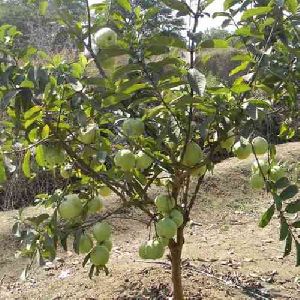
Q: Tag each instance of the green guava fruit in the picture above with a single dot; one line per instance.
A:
(166, 228)
(143, 251)
(242, 150)
(85, 243)
(108, 244)
(257, 181)
(177, 217)
(193, 154)
(125, 159)
(164, 203)
(99, 256)
(260, 145)
(133, 127)
(101, 231)
(143, 161)
(104, 191)
(87, 135)
(95, 205)
(152, 249)
(71, 207)
(156, 249)
(164, 241)
(105, 37)
(228, 143)
(264, 166)
(199, 171)
(277, 172)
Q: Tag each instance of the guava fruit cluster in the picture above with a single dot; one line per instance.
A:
(127, 160)
(166, 228)
(72, 206)
(243, 148)
(261, 168)
(99, 254)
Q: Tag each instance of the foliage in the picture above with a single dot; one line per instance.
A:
(63, 118)
(39, 28)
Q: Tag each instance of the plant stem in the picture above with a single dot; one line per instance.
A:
(176, 250)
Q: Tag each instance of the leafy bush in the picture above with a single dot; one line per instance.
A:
(152, 122)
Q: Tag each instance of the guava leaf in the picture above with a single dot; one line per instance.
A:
(2, 171)
(292, 5)
(289, 192)
(288, 245)
(293, 207)
(267, 216)
(26, 164)
(125, 4)
(43, 6)
(257, 11)
(297, 253)
(182, 7)
(284, 229)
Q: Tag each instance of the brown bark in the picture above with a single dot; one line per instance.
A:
(176, 250)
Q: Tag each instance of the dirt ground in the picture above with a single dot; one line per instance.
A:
(226, 254)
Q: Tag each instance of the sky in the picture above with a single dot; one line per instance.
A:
(205, 23)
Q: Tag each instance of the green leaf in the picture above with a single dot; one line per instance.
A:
(257, 11)
(86, 259)
(282, 183)
(45, 131)
(91, 272)
(288, 245)
(182, 7)
(267, 216)
(260, 103)
(32, 112)
(214, 43)
(39, 219)
(239, 68)
(125, 4)
(167, 40)
(26, 164)
(4, 102)
(229, 3)
(297, 253)
(284, 229)
(293, 207)
(43, 6)
(240, 88)
(292, 5)
(289, 192)
(249, 31)
(40, 156)
(2, 171)
(278, 202)
(197, 81)
(27, 84)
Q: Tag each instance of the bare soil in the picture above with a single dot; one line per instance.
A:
(226, 255)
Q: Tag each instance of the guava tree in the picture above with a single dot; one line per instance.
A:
(143, 122)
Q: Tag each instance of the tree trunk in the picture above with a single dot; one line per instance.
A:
(176, 250)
